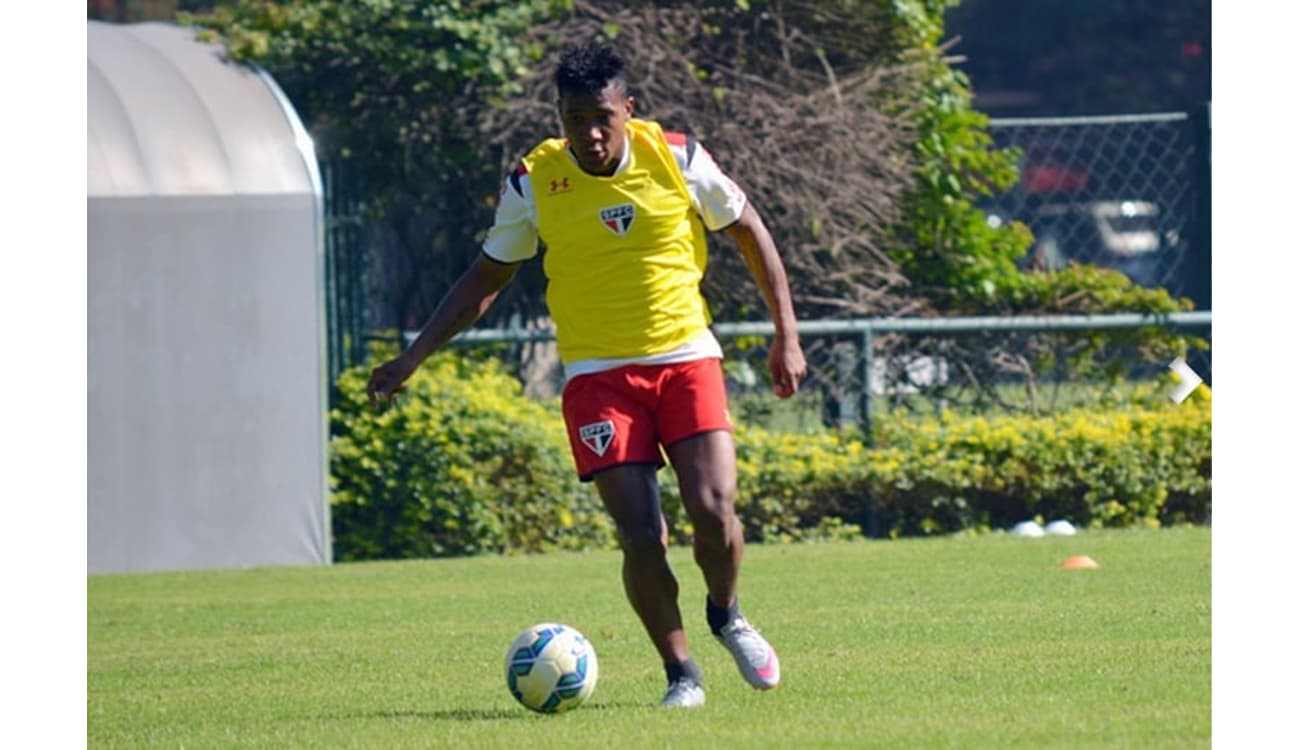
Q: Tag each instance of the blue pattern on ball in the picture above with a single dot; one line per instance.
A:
(522, 661)
(568, 686)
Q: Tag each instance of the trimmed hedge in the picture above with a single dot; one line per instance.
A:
(1144, 464)
(465, 464)
(462, 464)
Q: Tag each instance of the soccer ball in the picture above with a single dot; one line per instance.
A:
(551, 668)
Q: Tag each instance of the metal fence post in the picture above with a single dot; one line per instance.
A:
(864, 396)
(864, 414)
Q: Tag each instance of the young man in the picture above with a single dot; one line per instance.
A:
(623, 207)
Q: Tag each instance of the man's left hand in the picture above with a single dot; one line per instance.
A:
(786, 364)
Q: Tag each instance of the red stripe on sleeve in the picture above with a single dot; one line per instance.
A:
(675, 139)
(515, 177)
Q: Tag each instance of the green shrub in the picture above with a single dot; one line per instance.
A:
(462, 464)
(1147, 463)
(465, 464)
(785, 485)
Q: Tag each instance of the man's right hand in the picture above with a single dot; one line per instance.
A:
(387, 379)
(472, 293)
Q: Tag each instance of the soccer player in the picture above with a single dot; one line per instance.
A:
(623, 207)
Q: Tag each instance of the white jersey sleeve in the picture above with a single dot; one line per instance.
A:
(717, 198)
(513, 236)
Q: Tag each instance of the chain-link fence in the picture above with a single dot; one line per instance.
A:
(347, 269)
(1129, 192)
(861, 370)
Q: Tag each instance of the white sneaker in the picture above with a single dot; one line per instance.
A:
(753, 654)
(683, 694)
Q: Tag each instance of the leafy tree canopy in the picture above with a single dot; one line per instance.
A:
(385, 81)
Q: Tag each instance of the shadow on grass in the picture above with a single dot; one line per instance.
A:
(468, 714)
(449, 714)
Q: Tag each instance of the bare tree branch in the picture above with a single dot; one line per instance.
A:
(810, 142)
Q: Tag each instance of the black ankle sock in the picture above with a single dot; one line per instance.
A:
(719, 616)
(678, 670)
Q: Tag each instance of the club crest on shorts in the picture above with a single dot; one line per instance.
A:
(597, 436)
(618, 219)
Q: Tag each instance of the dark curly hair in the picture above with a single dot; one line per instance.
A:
(588, 69)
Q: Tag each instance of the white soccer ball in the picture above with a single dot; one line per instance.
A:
(551, 668)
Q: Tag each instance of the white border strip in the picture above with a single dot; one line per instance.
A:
(307, 148)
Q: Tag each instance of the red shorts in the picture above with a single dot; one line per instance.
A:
(623, 415)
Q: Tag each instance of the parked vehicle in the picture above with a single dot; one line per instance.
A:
(1121, 234)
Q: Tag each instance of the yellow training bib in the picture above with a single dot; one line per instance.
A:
(624, 254)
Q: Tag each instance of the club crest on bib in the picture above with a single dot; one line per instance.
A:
(597, 436)
(618, 219)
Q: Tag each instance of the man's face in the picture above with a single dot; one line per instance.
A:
(596, 127)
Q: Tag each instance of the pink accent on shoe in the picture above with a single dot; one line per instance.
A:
(750, 649)
(768, 669)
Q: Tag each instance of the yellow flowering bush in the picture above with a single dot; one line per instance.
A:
(465, 464)
(461, 464)
(1146, 463)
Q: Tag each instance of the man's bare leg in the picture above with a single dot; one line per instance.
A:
(706, 472)
(631, 495)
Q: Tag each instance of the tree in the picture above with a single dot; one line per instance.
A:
(391, 90)
(849, 126)
(131, 11)
(797, 118)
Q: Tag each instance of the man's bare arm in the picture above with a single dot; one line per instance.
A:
(466, 301)
(785, 360)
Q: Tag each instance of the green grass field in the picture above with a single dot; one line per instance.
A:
(969, 642)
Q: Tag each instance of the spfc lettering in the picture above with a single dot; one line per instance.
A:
(597, 436)
(618, 219)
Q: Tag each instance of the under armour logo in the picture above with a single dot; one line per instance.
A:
(597, 436)
(560, 186)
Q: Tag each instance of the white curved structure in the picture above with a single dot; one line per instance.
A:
(206, 404)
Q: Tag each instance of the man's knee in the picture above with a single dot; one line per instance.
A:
(715, 510)
(642, 542)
